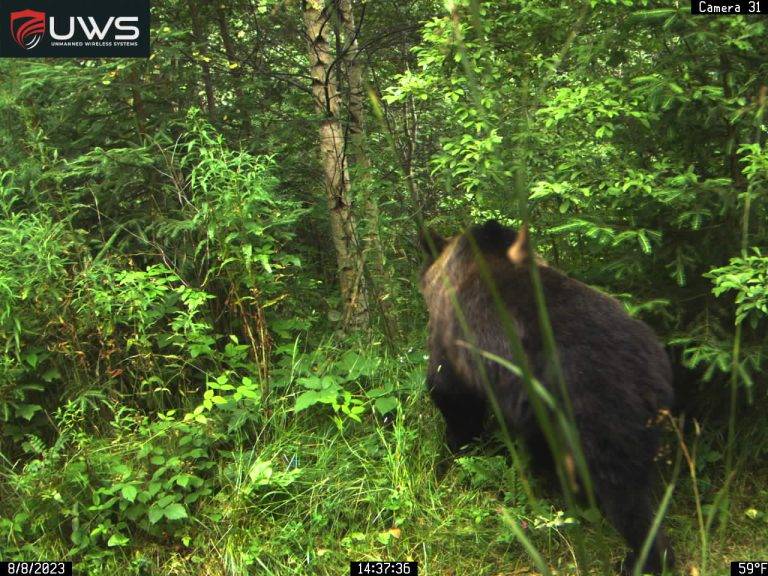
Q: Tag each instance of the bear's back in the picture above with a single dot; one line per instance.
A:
(602, 350)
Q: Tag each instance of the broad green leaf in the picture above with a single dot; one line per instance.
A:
(118, 540)
(175, 511)
(154, 514)
(386, 404)
(27, 411)
(129, 492)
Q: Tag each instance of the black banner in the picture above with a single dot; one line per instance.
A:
(749, 568)
(729, 7)
(75, 28)
(35, 568)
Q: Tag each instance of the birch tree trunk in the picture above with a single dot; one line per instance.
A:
(333, 157)
(372, 247)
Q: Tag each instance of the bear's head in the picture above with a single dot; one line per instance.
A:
(456, 257)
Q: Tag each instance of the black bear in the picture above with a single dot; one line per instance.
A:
(617, 375)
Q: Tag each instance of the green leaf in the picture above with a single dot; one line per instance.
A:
(129, 492)
(27, 411)
(386, 404)
(118, 540)
(175, 512)
(166, 500)
(645, 244)
(51, 374)
(305, 400)
(155, 513)
(312, 397)
(32, 359)
(377, 392)
(261, 472)
(248, 393)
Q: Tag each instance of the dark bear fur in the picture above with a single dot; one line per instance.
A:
(617, 374)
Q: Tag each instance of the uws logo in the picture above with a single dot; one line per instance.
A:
(28, 28)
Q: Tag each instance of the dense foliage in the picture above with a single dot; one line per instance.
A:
(180, 390)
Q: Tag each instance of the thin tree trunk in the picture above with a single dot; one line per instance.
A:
(333, 158)
(200, 42)
(138, 106)
(405, 139)
(372, 246)
(411, 129)
(234, 66)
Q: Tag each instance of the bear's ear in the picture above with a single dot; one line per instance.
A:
(520, 251)
(431, 243)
